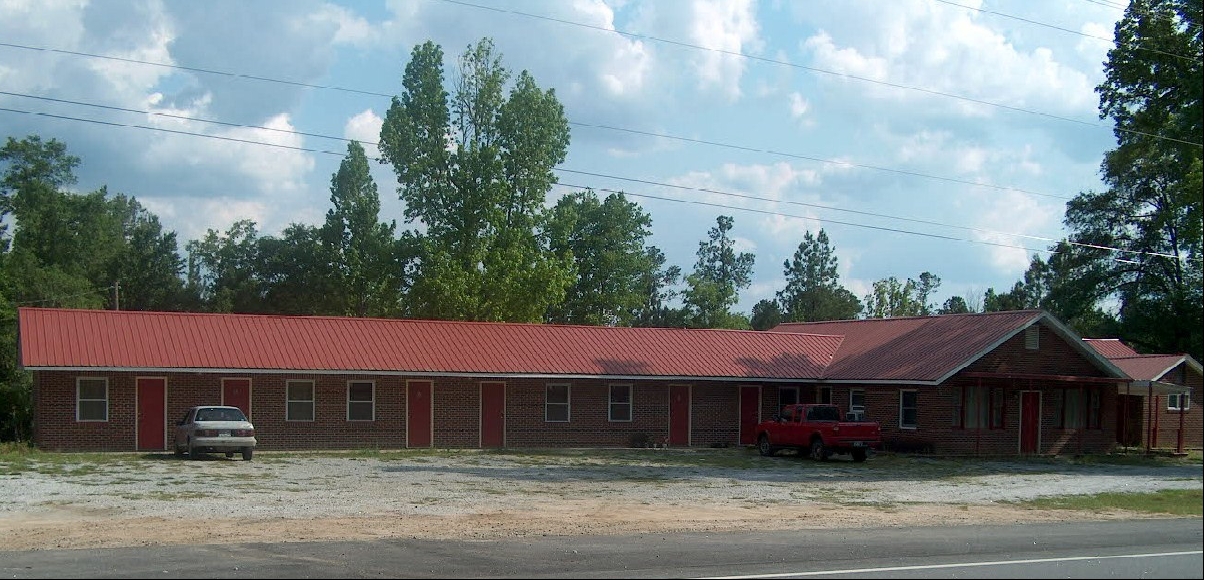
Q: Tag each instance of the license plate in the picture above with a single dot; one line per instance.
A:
(860, 443)
(223, 434)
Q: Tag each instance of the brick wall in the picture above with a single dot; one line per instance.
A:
(456, 419)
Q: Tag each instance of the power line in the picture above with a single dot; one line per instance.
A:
(817, 70)
(822, 160)
(194, 69)
(1063, 29)
(579, 124)
(343, 154)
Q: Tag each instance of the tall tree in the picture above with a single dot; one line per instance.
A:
(358, 249)
(658, 288)
(890, 297)
(473, 168)
(766, 315)
(713, 287)
(226, 271)
(1152, 208)
(813, 292)
(613, 266)
(954, 305)
(35, 173)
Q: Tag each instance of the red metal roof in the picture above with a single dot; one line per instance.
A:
(1111, 347)
(922, 348)
(63, 338)
(1148, 367)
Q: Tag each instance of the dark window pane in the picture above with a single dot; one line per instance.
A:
(361, 392)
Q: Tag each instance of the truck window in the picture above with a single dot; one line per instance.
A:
(785, 415)
(822, 413)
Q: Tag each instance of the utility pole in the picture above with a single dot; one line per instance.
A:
(116, 294)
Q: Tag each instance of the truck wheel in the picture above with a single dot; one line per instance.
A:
(859, 455)
(819, 452)
(763, 446)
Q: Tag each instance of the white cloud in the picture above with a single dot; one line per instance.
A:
(365, 127)
(799, 105)
(950, 50)
(1014, 212)
(723, 25)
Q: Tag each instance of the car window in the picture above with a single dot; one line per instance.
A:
(822, 414)
(231, 415)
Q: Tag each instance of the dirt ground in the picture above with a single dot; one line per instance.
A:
(65, 530)
(576, 503)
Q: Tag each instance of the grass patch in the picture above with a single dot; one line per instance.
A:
(1176, 502)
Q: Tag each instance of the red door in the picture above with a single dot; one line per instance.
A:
(493, 401)
(678, 415)
(236, 393)
(750, 414)
(418, 430)
(1029, 422)
(150, 406)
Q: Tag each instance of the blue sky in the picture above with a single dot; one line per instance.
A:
(961, 113)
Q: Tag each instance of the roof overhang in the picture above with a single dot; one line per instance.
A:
(1153, 388)
(1046, 377)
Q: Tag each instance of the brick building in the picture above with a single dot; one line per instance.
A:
(975, 384)
(1163, 406)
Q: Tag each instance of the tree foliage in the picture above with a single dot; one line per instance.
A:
(813, 292)
(360, 267)
(890, 297)
(473, 168)
(713, 287)
(1152, 208)
(615, 271)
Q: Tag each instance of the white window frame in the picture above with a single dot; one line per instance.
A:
(1173, 401)
(105, 383)
(312, 400)
(566, 405)
(629, 404)
(371, 402)
(858, 408)
(901, 409)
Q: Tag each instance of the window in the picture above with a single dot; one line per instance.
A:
(621, 398)
(1031, 338)
(558, 403)
(787, 396)
(300, 401)
(92, 399)
(982, 408)
(1081, 408)
(786, 415)
(825, 396)
(909, 409)
(1183, 400)
(361, 401)
(856, 401)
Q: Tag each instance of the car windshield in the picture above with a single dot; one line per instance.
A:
(219, 415)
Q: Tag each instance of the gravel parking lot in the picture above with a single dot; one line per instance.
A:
(133, 500)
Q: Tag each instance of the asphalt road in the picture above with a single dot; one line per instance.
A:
(1167, 548)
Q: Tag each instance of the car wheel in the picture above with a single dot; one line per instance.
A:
(194, 453)
(818, 450)
(247, 453)
(177, 450)
(859, 455)
(228, 454)
(763, 446)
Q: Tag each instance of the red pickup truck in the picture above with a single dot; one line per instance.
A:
(817, 430)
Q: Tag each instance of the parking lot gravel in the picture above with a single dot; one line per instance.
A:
(135, 500)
